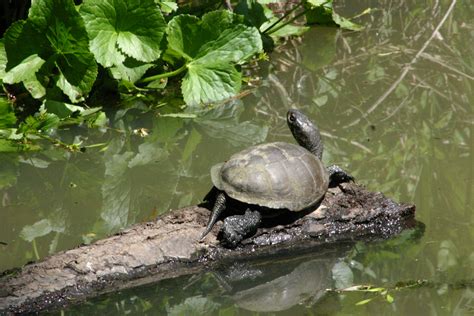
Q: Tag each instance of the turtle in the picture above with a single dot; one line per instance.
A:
(272, 178)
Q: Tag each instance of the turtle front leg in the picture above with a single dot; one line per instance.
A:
(237, 227)
(337, 176)
(219, 207)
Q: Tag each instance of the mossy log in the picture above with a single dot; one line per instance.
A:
(169, 247)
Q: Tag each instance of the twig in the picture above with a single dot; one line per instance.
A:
(406, 68)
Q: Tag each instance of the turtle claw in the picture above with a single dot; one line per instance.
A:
(337, 175)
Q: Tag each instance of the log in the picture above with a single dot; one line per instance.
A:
(169, 247)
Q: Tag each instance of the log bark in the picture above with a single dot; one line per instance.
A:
(169, 247)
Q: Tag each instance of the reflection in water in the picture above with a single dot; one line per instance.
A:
(271, 284)
(307, 282)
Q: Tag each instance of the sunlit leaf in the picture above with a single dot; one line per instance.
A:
(41, 122)
(130, 71)
(55, 33)
(167, 6)
(233, 46)
(121, 28)
(25, 70)
(211, 46)
(206, 83)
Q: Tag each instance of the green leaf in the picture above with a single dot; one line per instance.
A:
(61, 109)
(234, 45)
(206, 83)
(211, 47)
(26, 72)
(55, 33)
(167, 6)
(322, 12)
(186, 34)
(389, 298)
(284, 31)
(131, 70)
(3, 59)
(7, 116)
(121, 28)
(363, 302)
(30, 82)
(253, 12)
(42, 228)
(99, 121)
(345, 23)
(8, 146)
(42, 122)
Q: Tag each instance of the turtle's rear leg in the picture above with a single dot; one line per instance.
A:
(219, 207)
(237, 227)
(337, 176)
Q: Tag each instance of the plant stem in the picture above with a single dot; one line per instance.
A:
(35, 249)
(282, 18)
(290, 21)
(164, 75)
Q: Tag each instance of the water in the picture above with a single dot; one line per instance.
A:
(404, 131)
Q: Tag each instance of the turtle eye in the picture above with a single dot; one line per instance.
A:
(292, 117)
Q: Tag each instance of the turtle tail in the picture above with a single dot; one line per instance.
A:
(219, 207)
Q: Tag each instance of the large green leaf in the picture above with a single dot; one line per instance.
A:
(55, 33)
(212, 46)
(233, 45)
(207, 82)
(121, 28)
(187, 33)
(185, 36)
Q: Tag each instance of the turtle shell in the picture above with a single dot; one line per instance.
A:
(274, 175)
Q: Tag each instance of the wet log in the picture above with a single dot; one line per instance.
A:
(169, 247)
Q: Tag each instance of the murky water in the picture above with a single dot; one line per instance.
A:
(394, 102)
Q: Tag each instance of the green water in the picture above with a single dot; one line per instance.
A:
(394, 103)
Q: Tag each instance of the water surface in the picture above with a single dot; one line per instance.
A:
(394, 103)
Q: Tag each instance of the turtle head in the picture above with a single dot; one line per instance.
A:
(305, 132)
